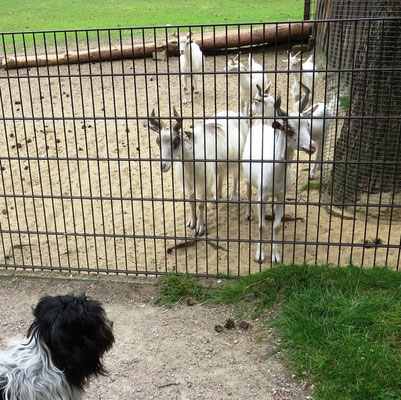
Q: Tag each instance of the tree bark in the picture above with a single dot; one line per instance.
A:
(368, 149)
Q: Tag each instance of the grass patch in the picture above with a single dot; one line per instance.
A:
(175, 288)
(310, 186)
(26, 15)
(340, 326)
(345, 103)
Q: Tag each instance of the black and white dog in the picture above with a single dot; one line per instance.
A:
(62, 350)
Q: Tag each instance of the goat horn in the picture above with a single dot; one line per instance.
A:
(267, 90)
(175, 112)
(304, 101)
(277, 106)
(155, 122)
(178, 124)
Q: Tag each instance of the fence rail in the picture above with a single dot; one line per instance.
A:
(86, 183)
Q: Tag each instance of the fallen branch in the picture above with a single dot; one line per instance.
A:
(209, 41)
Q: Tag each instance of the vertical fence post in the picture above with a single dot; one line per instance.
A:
(307, 10)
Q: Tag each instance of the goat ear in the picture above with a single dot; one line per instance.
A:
(267, 90)
(259, 89)
(188, 35)
(178, 125)
(174, 34)
(277, 125)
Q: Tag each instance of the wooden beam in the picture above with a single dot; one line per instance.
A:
(210, 41)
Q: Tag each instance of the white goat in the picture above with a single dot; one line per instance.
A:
(248, 81)
(265, 145)
(318, 127)
(221, 138)
(263, 105)
(308, 78)
(192, 60)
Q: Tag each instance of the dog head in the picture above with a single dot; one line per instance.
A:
(77, 332)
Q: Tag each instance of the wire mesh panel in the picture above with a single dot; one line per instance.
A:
(107, 153)
(365, 38)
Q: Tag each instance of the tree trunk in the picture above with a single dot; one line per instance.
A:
(368, 149)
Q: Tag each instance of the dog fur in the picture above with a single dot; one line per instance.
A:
(62, 350)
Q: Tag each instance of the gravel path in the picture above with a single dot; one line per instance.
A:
(163, 353)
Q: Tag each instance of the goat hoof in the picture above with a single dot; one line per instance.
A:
(276, 258)
(199, 232)
(191, 224)
(259, 258)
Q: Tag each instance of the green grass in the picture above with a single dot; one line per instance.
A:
(339, 326)
(175, 288)
(345, 103)
(25, 15)
(310, 186)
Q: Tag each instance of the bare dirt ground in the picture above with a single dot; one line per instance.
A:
(163, 353)
(92, 190)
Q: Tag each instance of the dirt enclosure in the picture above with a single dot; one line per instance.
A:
(163, 353)
(92, 192)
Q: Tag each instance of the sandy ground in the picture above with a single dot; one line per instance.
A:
(163, 353)
(93, 193)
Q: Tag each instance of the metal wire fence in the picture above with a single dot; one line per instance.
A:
(88, 186)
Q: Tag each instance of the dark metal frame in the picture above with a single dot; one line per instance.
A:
(21, 234)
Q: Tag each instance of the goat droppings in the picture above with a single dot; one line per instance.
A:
(218, 328)
(230, 324)
(244, 325)
(190, 301)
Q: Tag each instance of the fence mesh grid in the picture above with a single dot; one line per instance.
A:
(82, 188)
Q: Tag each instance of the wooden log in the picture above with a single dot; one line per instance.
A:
(210, 41)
